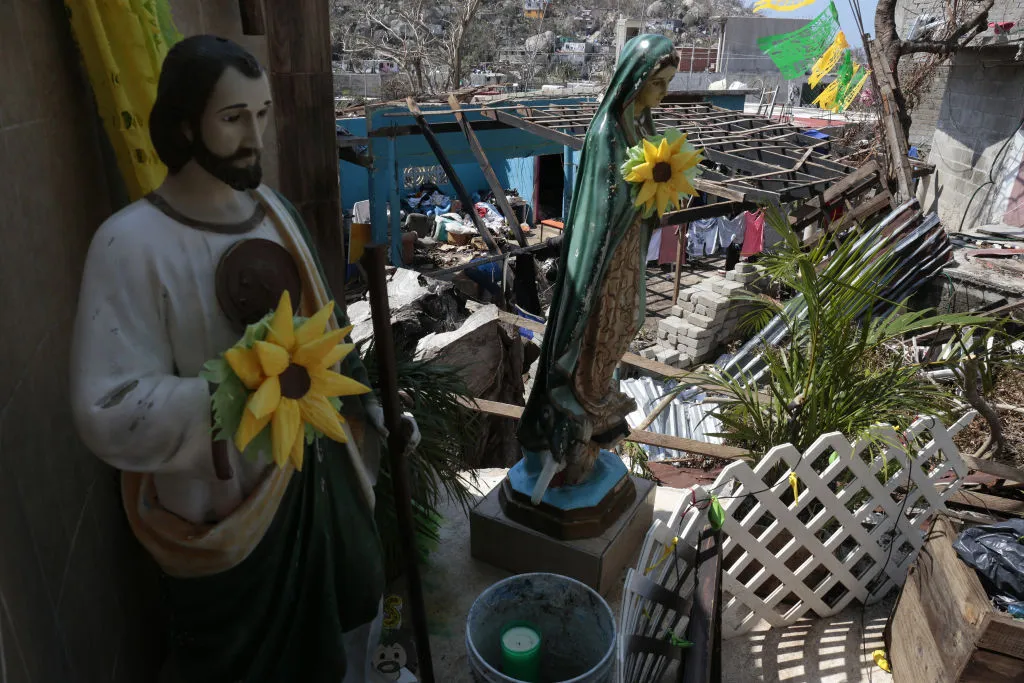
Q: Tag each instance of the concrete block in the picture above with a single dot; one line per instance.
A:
(701, 309)
(667, 356)
(729, 288)
(701, 321)
(711, 299)
(718, 313)
(696, 346)
(672, 340)
(683, 362)
(678, 311)
(694, 332)
(742, 268)
(662, 332)
(648, 353)
(671, 325)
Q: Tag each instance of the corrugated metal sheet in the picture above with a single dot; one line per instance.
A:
(687, 416)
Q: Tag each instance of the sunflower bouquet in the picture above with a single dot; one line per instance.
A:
(661, 170)
(276, 390)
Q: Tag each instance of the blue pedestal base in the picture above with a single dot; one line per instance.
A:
(608, 471)
(584, 510)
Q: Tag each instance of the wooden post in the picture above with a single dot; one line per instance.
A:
(380, 312)
(253, 23)
(703, 663)
(895, 139)
(680, 250)
(485, 166)
(299, 43)
(453, 178)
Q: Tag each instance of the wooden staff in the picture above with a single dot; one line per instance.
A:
(373, 261)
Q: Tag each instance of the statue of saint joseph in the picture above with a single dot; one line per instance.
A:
(270, 574)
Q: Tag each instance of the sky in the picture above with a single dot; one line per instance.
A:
(846, 21)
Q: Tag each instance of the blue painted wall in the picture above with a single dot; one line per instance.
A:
(509, 151)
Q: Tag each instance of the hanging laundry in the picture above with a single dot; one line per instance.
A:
(730, 230)
(753, 233)
(670, 244)
(654, 248)
(702, 237)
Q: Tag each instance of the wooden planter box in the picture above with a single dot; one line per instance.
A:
(944, 629)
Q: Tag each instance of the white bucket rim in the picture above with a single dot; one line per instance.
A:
(578, 679)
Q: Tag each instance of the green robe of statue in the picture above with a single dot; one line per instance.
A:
(598, 305)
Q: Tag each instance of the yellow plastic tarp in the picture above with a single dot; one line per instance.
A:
(123, 44)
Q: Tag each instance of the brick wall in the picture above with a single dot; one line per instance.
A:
(982, 104)
(927, 112)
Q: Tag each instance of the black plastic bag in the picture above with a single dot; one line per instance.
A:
(996, 551)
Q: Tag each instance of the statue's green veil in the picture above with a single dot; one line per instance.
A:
(600, 214)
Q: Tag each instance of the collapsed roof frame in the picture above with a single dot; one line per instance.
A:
(753, 160)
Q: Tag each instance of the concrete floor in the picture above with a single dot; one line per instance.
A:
(834, 650)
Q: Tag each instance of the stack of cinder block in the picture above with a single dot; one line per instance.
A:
(705, 316)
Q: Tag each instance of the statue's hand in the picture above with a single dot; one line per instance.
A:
(375, 415)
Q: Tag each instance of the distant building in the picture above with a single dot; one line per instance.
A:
(970, 121)
(625, 30)
(738, 52)
(536, 9)
(575, 53)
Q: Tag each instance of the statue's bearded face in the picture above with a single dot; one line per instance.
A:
(230, 141)
(655, 88)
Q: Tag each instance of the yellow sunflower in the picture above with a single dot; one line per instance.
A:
(291, 381)
(665, 174)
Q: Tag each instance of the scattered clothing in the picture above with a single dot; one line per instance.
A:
(753, 233)
(654, 246)
(708, 236)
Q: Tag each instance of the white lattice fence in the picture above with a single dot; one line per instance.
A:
(849, 535)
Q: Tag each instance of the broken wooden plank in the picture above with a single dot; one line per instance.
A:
(537, 129)
(995, 469)
(453, 178)
(676, 443)
(706, 211)
(897, 141)
(485, 167)
(876, 204)
(988, 503)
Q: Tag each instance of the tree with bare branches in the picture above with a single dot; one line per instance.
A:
(964, 20)
(425, 38)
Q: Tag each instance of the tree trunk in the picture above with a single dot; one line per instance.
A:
(889, 46)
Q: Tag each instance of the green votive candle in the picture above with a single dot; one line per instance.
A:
(520, 651)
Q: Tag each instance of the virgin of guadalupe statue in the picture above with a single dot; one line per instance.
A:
(575, 408)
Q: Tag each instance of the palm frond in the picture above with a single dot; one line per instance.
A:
(448, 430)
